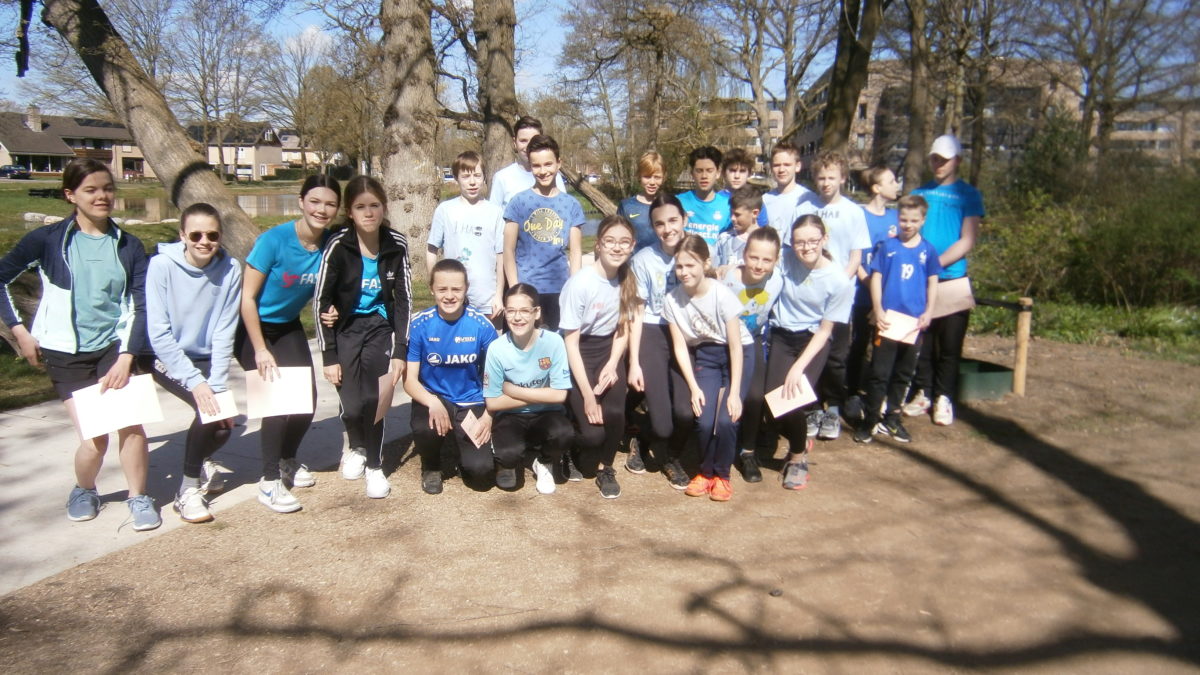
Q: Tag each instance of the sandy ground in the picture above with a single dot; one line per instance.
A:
(1054, 533)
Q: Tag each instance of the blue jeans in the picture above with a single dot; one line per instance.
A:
(716, 433)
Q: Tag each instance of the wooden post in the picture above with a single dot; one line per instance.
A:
(1024, 322)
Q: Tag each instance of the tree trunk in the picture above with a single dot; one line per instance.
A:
(142, 108)
(409, 121)
(597, 198)
(918, 102)
(858, 23)
(979, 93)
(495, 29)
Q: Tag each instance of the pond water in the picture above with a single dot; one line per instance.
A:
(153, 209)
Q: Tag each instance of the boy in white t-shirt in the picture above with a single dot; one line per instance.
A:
(780, 202)
(518, 177)
(470, 229)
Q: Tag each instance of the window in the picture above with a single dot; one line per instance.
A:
(862, 111)
(1166, 145)
(861, 141)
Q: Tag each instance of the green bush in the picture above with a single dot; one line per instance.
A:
(287, 174)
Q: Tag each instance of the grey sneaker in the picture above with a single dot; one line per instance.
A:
(831, 425)
(212, 479)
(83, 504)
(606, 480)
(676, 476)
(795, 474)
(431, 482)
(814, 420)
(191, 507)
(570, 472)
(295, 474)
(143, 513)
(633, 461)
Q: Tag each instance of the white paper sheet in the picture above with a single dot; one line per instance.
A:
(228, 408)
(901, 327)
(469, 424)
(781, 406)
(288, 394)
(953, 296)
(101, 414)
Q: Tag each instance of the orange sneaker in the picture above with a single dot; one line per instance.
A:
(699, 486)
(721, 490)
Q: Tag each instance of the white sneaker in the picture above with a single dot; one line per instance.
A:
(545, 478)
(275, 496)
(354, 463)
(943, 411)
(296, 474)
(377, 484)
(918, 406)
(191, 507)
(212, 479)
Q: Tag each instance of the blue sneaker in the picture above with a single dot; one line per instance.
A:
(143, 513)
(795, 474)
(83, 504)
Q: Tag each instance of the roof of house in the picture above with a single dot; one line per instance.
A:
(18, 138)
(238, 133)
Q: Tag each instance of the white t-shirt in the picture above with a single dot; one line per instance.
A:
(846, 225)
(757, 299)
(513, 179)
(590, 303)
(781, 209)
(702, 318)
(472, 234)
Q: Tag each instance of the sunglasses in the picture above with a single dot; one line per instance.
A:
(195, 237)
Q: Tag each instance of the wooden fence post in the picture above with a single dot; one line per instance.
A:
(1024, 322)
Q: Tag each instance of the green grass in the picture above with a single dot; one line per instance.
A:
(23, 384)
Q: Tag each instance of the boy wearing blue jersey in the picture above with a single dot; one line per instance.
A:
(707, 212)
(446, 348)
(904, 278)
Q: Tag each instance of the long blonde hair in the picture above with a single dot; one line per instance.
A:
(630, 301)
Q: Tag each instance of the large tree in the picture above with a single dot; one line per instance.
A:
(858, 23)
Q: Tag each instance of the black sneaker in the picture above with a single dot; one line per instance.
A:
(864, 431)
(675, 474)
(891, 424)
(750, 471)
(569, 470)
(506, 479)
(606, 480)
(855, 408)
(431, 482)
(633, 461)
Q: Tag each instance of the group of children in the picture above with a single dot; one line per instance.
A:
(694, 307)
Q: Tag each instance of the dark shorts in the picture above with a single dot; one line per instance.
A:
(71, 372)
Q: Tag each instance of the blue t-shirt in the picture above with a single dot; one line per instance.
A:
(543, 365)
(905, 273)
(291, 272)
(451, 354)
(879, 228)
(543, 237)
(654, 271)
(707, 219)
(98, 281)
(368, 298)
(638, 213)
(949, 205)
(811, 296)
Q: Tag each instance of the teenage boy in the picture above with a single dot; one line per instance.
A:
(904, 279)
(955, 213)
(470, 229)
(736, 168)
(543, 244)
(846, 227)
(517, 176)
(707, 211)
(745, 205)
(781, 202)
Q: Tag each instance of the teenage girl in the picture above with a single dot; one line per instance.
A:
(90, 323)
(815, 296)
(636, 209)
(668, 399)
(446, 349)
(597, 306)
(525, 382)
(711, 347)
(881, 224)
(193, 295)
(365, 283)
(278, 282)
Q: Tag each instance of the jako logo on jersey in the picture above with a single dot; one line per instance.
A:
(544, 363)
(464, 338)
(434, 339)
(434, 359)
(459, 359)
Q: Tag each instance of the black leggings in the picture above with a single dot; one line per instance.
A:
(752, 405)
(862, 332)
(786, 347)
(668, 398)
(281, 435)
(832, 389)
(937, 368)
(477, 463)
(547, 433)
(363, 343)
(892, 366)
(598, 443)
(202, 439)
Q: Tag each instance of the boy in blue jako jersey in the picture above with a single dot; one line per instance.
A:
(745, 205)
(470, 229)
(707, 212)
(904, 278)
(543, 242)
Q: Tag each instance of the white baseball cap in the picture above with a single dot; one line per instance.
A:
(946, 146)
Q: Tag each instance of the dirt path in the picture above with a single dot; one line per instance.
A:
(1053, 533)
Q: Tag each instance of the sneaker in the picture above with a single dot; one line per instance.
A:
(143, 513)
(83, 504)
(354, 463)
(191, 507)
(814, 420)
(699, 486)
(795, 474)
(431, 482)
(675, 474)
(750, 471)
(892, 427)
(606, 480)
(919, 405)
(831, 425)
(943, 411)
(721, 490)
(855, 410)
(275, 496)
(545, 478)
(296, 474)
(633, 461)
(377, 484)
(570, 471)
(212, 479)
(506, 479)
(865, 432)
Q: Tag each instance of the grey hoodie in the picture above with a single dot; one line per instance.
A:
(192, 313)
